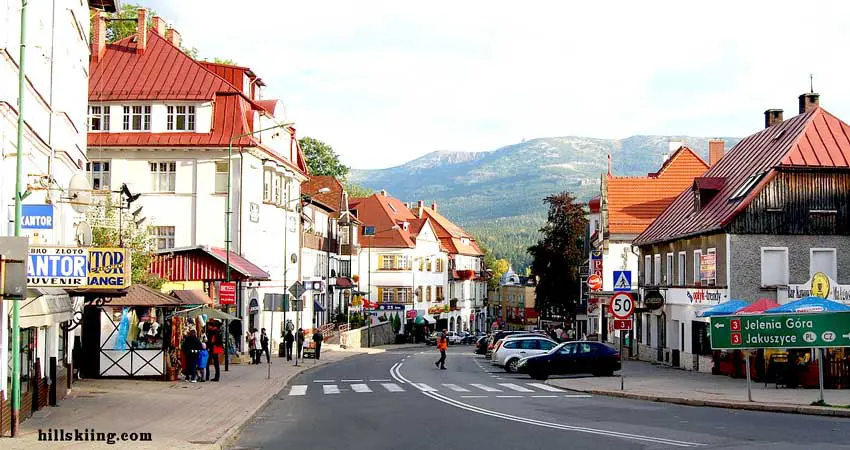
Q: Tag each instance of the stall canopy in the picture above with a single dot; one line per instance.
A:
(758, 307)
(424, 319)
(141, 295)
(45, 307)
(810, 304)
(211, 313)
(725, 308)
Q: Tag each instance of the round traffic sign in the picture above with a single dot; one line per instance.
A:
(622, 305)
(594, 282)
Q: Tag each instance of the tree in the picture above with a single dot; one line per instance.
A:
(557, 257)
(322, 159)
(226, 61)
(357, 191)
(108, 231)
(496, 266)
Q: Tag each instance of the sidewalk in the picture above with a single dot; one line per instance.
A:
(179, 415)
(645, 381)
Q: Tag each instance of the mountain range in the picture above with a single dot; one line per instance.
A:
(498, 195)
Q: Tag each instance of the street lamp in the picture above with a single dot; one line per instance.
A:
(371, 235)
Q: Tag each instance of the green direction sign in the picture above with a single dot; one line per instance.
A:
(808, 330)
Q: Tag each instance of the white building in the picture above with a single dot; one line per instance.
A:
(167, 137)
(401, 260)
(54, 150)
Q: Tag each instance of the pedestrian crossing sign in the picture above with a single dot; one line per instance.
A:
(622, 280)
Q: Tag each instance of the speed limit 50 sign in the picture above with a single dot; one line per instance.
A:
(622, 305)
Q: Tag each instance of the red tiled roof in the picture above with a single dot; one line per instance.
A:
(815, 139)
(710, 183)
(451, 236)
(233, 74)
(332, 199)
(383, 212)
(634, 202)
(593, 205)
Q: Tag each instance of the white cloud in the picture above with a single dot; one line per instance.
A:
(386, 81)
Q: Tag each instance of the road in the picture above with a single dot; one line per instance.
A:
(399, 400)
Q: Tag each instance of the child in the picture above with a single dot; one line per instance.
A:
(203, 359)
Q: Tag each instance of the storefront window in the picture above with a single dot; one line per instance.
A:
(27, 351)
(134, 327)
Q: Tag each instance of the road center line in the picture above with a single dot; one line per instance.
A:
(544, 396)
(323, 381)
(379, 380)
(508, 396)
(351, 381)
(473, 396)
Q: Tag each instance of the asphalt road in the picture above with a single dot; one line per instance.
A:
(399, 400)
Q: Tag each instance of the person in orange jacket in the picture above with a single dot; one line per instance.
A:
(442, 345)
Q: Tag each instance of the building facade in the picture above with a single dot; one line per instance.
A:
(53, 152)
(763, 223)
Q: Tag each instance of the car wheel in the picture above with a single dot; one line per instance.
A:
(511, 366)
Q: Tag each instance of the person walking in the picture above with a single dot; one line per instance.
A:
(318, 338)
(442, 345)
(191, 348)
(255, 341)
(264, 346)
(299, 343)
(214, 339)
(251, 347)
(203, 363)
(288, 339)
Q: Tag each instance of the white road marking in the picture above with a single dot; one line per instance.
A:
(323, 381)
(298, 389)
(515, 387)
(330, 389)
(423, 387)
(544, 396)
(360, 388)
(473, 396)
(392, 387)
(545, 387)
(351, 381)
(486, 388)
(508, 396)
(578, 396)
(378, 380)
(456, 388)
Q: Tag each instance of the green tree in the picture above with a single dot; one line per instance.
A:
(108, 231)
(322, 159)
(357, 191)
(496, 266)
(557, 257)
(227, 61)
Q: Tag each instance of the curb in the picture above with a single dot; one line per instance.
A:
(747, 406)
(229, 436)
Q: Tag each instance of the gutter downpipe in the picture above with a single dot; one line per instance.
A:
(19, 169)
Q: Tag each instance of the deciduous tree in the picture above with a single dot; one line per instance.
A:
(322, 159)
(557, 257)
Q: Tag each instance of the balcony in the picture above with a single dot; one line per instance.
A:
(316, 242)
(349, 250)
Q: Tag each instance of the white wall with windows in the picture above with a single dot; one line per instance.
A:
(120, 117)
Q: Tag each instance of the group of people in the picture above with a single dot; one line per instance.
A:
(197, 357)
(258, 344)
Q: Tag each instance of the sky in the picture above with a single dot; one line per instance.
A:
(385, 82)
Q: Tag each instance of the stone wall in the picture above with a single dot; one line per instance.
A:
(382, 334)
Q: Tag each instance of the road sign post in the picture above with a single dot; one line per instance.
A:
(622, 306)
(804, 330)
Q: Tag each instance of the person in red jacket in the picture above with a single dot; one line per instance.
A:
(442, 345)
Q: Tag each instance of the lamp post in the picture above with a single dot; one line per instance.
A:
(227, 213)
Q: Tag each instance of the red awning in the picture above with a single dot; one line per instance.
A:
(204, 264)
(343, 282)
(758, 307)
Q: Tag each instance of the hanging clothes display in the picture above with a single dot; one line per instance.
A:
(123, 330)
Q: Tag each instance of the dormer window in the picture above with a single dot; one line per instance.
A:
(464, 241)
(705, 189)
(181, 118)
(137, 118)
(99, 118)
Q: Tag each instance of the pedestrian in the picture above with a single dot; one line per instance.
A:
(203, 363)
(299, 344)
(191, 348)
(251, 348)
(217, 347)
(318, 338)
(255, 337)
(264, 346)
(442, 345)
(288, 339)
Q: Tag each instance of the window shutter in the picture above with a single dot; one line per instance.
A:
(421, 265)
(380, 295)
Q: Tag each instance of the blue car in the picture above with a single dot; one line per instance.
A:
(574, 357)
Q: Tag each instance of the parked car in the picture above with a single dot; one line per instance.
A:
(595, 358)
(499, 335)
(510, 350)
(481, 345)
(454, 337)
(431, 339)
(469, 339)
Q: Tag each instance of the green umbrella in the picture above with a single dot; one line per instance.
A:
(211, 313)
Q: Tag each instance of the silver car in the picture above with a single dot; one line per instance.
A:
(510, 350)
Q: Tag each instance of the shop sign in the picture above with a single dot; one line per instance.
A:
(703, 296)
(653, 300)
(807, 330)
(37, 217)
(254, 306)
(79, 268)
(820, 285)
(708, 268)
(227, 293)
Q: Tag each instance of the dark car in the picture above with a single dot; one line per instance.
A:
(595, 358)
(481, 345)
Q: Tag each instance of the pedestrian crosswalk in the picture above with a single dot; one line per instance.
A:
(331, 387)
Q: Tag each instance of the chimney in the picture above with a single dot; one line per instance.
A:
(173, 36)
(716, 148)
(142, 31)
(808, 102)
(159, 25)
(98, 39)
(772, 117)
(434, 206)
(420, 205)
(383, 193)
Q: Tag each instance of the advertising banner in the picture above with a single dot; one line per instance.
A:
(78, 268)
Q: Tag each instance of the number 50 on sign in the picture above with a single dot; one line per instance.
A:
(622, 305)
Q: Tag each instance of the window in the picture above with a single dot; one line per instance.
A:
(387, 262)
(697, 255)
(823, 260)
(647, 270)
(99, 118)
(163, 237)
(221, 177)
(668, 272)
(428, 293)
(439, 295)
(403, 262)
(387, 295)
(181, 118)
(530, 344)
(267, 184)
(163, 176)
(440, 265)
(344, 235)
(547, 345)
(656, 270)
(276, 188)
(683, 257)
(774, 266)
(711, 272)
(137, 118)
(512, 344)
(747, 186)
(98, 172)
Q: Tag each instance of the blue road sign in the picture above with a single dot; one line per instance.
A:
(622, 280)
(390, 307)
